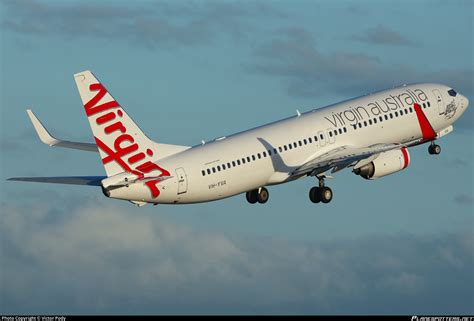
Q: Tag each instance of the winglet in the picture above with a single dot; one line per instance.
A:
(49, 140)
(42, 132)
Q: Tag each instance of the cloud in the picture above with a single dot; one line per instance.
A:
(381, 35)
(463, 199)
(160, 24)
(293, 56)
(104, 259)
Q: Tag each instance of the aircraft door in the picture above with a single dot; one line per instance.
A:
(182, 180)
(330, 136)
(439, 99)
(322, 138)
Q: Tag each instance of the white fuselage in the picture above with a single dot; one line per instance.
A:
(216, 169)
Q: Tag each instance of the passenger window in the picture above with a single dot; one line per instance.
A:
(310, 140)
(305, 141)
(365, 123)
(203, 173)
(299, 143)
(243, 160)
(208, 171)
(429, 105)
(411, 110)
(391, 116)
(233, 163)
(330, 134)
(248, 159)
(284, 147)
(213, 169)
(219, 168)
(345, 130)
(375, 120)
(253, 157)
(321, 136)
(238, 162)
(340, 131)
(289, 145)
(315, 138)
(360, 125)
(280, 149)
(275, 151)
(259, 156)
(223, 167)
(264, 154)
(396, 114)
(380, 119)
(370, 121)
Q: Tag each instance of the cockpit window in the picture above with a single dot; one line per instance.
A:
(452, 92)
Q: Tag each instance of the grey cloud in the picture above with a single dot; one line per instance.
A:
(310, 73)
(463, 199)
(100, 259)
(381, 35)
(151, 24)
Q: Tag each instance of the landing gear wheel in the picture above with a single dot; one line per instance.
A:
(314, 195)
(263, 195)
(252, 196)
(434, 149)
(325, 194)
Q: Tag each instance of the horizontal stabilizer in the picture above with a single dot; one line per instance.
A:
(48, 139)
(72, 180)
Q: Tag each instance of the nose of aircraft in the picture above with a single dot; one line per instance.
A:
(464, 101)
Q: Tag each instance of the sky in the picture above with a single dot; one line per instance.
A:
(188, 71)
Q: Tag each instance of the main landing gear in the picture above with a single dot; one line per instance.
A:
(320, 193)
(257, 195)
(434, 149)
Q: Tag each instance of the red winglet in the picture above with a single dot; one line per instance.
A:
(426, 130)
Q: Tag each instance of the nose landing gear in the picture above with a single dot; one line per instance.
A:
(434, 149)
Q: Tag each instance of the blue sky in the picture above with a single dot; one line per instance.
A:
(187, 71)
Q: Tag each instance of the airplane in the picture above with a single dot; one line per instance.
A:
(370, 134)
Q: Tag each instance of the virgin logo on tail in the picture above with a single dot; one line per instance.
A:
(125, 152)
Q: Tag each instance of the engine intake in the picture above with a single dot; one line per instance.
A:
(385, 164)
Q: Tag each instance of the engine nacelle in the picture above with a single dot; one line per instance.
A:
(385, 164)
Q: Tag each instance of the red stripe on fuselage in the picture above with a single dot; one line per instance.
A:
(426, 130)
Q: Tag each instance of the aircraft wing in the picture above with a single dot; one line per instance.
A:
(48, 139)
(72, 180)
(342, 157)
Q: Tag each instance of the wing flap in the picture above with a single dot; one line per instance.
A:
(72, 180)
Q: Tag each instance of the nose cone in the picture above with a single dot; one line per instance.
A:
(464, 101)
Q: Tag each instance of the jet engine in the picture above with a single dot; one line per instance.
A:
(385, 164)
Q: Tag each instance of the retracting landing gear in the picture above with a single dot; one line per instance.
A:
(320, 193)
(257, 195)
(434, 149)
